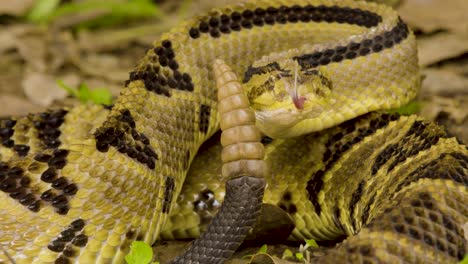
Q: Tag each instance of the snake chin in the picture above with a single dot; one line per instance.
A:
(287, 122)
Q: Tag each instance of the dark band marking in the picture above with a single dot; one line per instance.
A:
(6, 132)
(366, 211)
(14, 182)
(355, 198)
(204, 124)
(126, 139)
(68, 240)
(169, 186)
(154, 78)
(418, 138)
(215, 26)
(48, 127)
(260, 70)
(385, 40)
(63, 188)
(450, 166)
(348, 134)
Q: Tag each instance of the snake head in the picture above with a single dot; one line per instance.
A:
(282, 95)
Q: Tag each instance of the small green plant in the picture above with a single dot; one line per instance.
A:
(408, 109)
(303, 254)
(84, 94)
(287, 254)
(140, 253)
(262, 250)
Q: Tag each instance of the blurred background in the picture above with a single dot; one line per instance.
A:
(52, 49)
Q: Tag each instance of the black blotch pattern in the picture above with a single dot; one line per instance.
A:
(205, 206)
(418, 138)
(14, 182)
(205, 111)
(67, 239)
(336, 146)
(251, 71)
(154, 78)
(352, 50)
(217, 25)
(168, 194)
(48, 127)
(6, 132)
(286, 204)
(64, 187)
(137, 148)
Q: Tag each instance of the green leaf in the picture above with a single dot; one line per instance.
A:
(299, 256)
(263, 249)
(408, 109)
(112, 11)
(465, 260)
(311, 243)
(85, 94)
(140, 253)
(287, 253)
(101, 96)
(71, 91)
(42, 10)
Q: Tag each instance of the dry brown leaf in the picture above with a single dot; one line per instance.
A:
(33, 50)
(43, 89)
(433, 15)
(16, 106)
(15, 7)
(438, 47)
(444, 82)
(454, 107)
(11, 35)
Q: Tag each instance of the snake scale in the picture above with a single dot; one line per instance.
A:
(78, 185)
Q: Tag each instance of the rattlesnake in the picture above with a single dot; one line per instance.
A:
(80, 184)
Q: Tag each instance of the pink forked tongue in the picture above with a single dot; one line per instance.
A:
(298, 102)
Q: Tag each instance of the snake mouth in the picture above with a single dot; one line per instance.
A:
(279, 123)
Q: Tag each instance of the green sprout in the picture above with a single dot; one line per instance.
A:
(408, 109)
(84, 94)
(140, 253)
(112, 11)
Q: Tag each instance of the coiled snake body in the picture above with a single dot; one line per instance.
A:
(80, 184)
